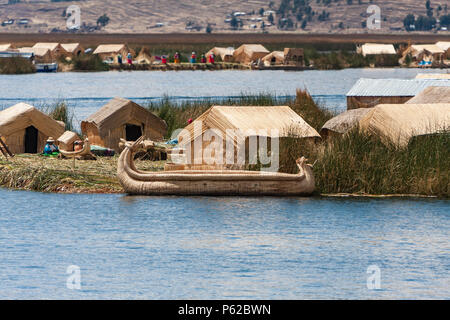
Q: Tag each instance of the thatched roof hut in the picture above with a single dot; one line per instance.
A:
(25, 129)
(294, 56)
(343, 122)
(66, 140)
(444, 45)
(397, 123)
(428, 52)
(274, 58)
(432, 95)
(369, 49)
(73, 49)
(144, 56)
(244, 122)
(6, 46)
(248, 53)
(225, 54)
(55, 48)
(122, 118)
(41, 54)
(111, 51)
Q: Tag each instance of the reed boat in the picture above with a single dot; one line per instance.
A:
(211, 182)
(86, 150)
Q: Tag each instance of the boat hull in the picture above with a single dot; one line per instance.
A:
(213, 183)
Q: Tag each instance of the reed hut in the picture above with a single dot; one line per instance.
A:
(373, 49)
(55, 48)
(225, 54)
(66, 140)
(343, 122)
(242, 123)
(294, 56)
(274, 58)
(109, 52)
(25, 129)
(43, 55)
(72, 49)
(248, 53)
(6, 47)
(426, 52)
(367, 93)
(432, 95)
(145, 57)
(122, 119)
(444, 45)
(396, 124)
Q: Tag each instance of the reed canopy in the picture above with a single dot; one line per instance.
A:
(344, 122)
(25, 129)
(122, 119)
(211, 130)
(396, 124)
(432, 95)
(225, 54)
(66, 140)
(248, 53)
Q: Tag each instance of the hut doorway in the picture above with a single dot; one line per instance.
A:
(133, 132)
(31, 140)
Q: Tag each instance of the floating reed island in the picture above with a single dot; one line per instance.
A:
(364, 153)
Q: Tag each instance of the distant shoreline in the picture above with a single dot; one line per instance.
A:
(230, 38)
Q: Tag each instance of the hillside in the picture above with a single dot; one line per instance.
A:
(153, 16)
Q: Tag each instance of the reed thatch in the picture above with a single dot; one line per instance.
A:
(248, 53)
(41, 54)
(6, 47)
(55, 48)
(274, 58)
(108, 125)
(244, 122)
(111, 51)
(294, 56)
(432, 95)
(343, 122)
(225, 54)
(15, 121)
(396, 124)
(73, 49)
(144, 56)
(376, 49)
(66, 140)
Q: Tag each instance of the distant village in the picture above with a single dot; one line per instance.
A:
(58, 56)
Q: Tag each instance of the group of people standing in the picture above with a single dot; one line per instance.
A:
(192, 59)
(129, 58)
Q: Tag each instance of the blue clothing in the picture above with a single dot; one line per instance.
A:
(50, 148)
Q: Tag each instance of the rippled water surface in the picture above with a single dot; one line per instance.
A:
(87, 92)
(200, 248)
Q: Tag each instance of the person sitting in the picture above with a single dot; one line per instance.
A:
(50, 147)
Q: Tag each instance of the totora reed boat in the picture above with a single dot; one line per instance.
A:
(211, 182)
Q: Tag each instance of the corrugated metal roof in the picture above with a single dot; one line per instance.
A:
(393, 87)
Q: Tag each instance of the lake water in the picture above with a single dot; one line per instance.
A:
(213, 248)
(87, 92)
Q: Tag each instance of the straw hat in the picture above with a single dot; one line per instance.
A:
(50, 139)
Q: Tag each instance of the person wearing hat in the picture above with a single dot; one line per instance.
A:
(50, 147)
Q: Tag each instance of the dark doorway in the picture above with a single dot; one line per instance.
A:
(31, 140)
(133, 132)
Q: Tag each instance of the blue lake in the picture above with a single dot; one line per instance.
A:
(87, 92)
(213, 248)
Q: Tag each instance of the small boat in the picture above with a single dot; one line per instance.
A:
(86, 150)
(46, 67)
(211, 182)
